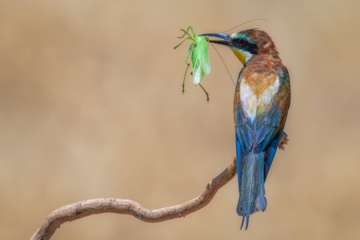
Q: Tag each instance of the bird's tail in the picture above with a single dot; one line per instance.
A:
(251, 186)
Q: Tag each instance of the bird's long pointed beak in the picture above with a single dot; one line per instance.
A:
(226, 42)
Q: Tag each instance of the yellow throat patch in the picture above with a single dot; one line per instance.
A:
(242, 56)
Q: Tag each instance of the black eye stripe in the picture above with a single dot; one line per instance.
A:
(240, 41)
(245, 45)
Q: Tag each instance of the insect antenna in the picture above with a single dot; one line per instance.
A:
(256, 19)
(227, 69)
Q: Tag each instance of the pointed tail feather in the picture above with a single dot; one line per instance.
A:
(242, 222)
(247, 222)
(251, 186)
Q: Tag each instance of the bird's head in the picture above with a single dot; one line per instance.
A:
(247, 43)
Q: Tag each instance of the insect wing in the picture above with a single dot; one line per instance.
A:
(198, 73)
(200, 59)
(204, 55)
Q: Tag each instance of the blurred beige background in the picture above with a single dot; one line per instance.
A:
(91, 106)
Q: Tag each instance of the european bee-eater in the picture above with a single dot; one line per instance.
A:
(261, 103)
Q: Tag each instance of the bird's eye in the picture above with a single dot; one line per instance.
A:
(242, 42)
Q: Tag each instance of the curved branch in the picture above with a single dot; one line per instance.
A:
(123, 206)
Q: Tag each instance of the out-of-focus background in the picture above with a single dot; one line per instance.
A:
(91, 107)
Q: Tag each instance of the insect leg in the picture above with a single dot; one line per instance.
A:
(207, 95)
(191, 48)
(186, 32)
(192, 30)
(182, 42)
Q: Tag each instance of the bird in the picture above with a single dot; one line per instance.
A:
(261, 104)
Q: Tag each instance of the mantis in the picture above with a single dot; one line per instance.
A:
(200, 57)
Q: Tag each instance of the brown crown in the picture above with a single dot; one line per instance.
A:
(262, 40)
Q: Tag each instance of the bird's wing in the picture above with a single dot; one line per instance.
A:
(274, 120)
(264, 134)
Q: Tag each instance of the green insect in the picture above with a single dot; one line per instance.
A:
(200, 57)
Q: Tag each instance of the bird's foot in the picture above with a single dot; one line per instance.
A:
(283, 141)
